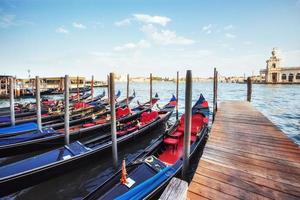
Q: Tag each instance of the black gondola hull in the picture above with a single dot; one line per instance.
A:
(17, 182)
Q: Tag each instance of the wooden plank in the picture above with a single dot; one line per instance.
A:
(244, 184)
(251, 156)
(207, 192)
(246, 157)
(242, 175)
(194, 196)
(176, 189)
(224, 187)
(255, 162)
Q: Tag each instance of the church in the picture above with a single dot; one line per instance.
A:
(275, 73)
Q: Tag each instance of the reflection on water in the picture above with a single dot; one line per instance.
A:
(280, 103)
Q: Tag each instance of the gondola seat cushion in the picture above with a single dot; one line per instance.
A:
(148, 117)
(120, 133)
(177, 134)
(79, 105)
(121, 112)
(132, 129)
(88, 125)
(197, 123)
(100, 121)
(171, 142)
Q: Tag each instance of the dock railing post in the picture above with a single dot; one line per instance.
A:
(151, 89)
(249, 89)
(92, 86)
(177, 90)
(127, 89)
(12, 101)
(67, 114)
(113, 119)
(38, 102)
(187, 123)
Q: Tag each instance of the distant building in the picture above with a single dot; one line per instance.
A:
(275, 73)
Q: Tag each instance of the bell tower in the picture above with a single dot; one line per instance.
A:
(273, 62)
(273, 65)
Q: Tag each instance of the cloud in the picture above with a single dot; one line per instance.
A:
(165, 37)
(62, 30)
(140, 45)
(207, 29)
(143, 18)
(148, 19)
(229, 27)
(229, 35)
(78, 25)
(9, 20)
(124, 22)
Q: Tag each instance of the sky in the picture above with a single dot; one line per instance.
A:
(88, 37)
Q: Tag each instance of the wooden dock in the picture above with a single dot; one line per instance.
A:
(246, 157)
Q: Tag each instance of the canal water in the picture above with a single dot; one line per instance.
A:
(279, 103)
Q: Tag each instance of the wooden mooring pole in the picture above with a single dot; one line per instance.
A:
(215, 94)
(127, 89)
(177, 98)
(187, 123)
(108, 92)
(92, 87)
(113, 119)
(151, 89)
(78, 93)
(38, 102)
(67, 114)
(12, 101)
(249, 89)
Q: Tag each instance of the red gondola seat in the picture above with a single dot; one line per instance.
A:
(148, 117)
(88, 125)
(121, 112)
(171, 142)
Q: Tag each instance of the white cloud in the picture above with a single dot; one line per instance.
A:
(229, 35)
(229, 27)
(124, 22)
(78, 25)
(8, 20)
(62, 30)
(165, 37)
(143, 18)
(207, 29)
(148, 19)
(140, 45)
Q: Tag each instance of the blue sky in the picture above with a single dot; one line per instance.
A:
(54, 38)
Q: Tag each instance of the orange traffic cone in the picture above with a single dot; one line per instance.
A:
(124, 174)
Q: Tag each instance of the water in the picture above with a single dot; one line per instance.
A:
(279, 103)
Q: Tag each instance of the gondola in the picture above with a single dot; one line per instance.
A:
(21, 174)
(54, 112)
(81, 125)
(148, 175)
(29, 110)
